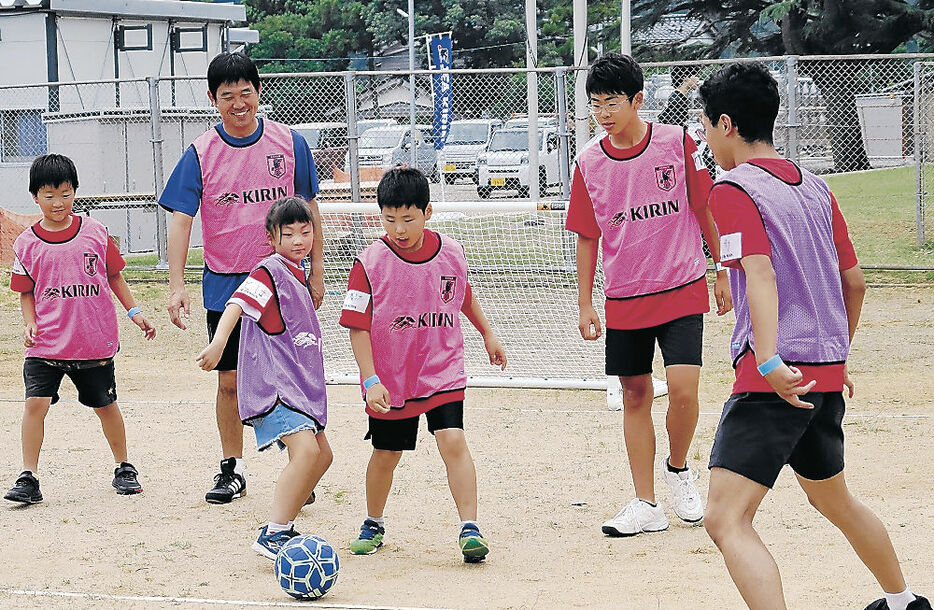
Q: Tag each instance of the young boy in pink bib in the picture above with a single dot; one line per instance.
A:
(405, 295)
(798, 291)
(280, 388)
(642, 190)
(66, 269)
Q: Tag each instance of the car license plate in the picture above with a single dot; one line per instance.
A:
(449, 167)
(497, 182)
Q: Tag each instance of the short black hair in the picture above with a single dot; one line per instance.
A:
(615, 74)
(286, 211)
(229, 68)
(679, 73)
(52, 170)
(748, 94)
(402, 187)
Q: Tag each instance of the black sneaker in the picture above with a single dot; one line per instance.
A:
(920, 603)
(227, 484)
(125, 481)
(26, 489)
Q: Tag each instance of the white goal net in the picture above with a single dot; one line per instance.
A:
(522, 270)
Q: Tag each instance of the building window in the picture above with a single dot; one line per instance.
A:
(22, 135)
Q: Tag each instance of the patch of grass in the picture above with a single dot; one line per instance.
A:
(879, 207)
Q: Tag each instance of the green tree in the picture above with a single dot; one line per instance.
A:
(810, 27)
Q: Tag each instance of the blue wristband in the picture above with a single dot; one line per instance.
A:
(133, 311)
(369, 382)
(770, 365)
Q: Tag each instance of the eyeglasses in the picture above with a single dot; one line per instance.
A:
(610, 107)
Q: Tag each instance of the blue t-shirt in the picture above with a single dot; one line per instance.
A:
(183, 190)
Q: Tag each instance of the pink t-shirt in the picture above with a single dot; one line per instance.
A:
(418, 346)
(75, 313)
(239, 185)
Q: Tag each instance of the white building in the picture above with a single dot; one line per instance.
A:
(103, 125)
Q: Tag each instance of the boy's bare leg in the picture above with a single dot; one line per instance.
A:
(33, 430)
(862, 528)
(228, 415)
(639, 433)
(114, 432)
(379, 480)
(297, 478)
(681, 420)
(732, 502)
(462, 475)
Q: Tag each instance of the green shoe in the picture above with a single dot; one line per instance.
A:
(370, 538)
(473, 545)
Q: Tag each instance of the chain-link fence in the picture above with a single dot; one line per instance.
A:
(838, 114)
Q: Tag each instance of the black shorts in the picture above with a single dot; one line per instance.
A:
(400, 434)
(229, 358)
(759, 433)
(630, 352)
(94, 379)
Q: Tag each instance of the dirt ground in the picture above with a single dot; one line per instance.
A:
(551, 468)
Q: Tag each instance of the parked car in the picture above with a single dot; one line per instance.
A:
(387, 147)
(505, 164)
(466, 139)
(328, 144)
(522, 120)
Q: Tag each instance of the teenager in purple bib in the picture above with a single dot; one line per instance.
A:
(280, 388)
(405, 295)
(642, 191)
(67, 270)
(798, 292)
(232, 174)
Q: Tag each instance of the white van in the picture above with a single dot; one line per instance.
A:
(387, 147)
(505, 163)
(466, 139)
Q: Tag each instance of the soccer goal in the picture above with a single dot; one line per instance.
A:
(523, 271)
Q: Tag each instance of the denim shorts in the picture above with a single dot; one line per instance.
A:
(281, 421)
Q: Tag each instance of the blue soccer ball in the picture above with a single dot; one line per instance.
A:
(307, 567)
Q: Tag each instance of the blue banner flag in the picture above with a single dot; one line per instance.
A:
(440, 50)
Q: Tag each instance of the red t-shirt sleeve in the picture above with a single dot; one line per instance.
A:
(738, 219)
(19, 279)
(699, 182)
(357, 311)
(115, 262)
(841, 237)
(581, 218)
(256, 297)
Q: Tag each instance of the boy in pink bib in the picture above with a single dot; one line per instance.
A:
(66, 269)
(405, 295)
(642, 190)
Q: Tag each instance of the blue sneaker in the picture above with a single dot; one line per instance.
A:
(268, 545)
(370, 539)
(472, 544)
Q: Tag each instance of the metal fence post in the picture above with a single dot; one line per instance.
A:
(791, 100)
(919, 144)
(561, 85)
(352, 136)
(155, 125)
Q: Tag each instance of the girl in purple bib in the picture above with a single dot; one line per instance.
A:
(280, 386)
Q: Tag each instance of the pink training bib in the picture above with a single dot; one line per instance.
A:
(418, 346)
(74, 309)
(651, 238)
(239, 184)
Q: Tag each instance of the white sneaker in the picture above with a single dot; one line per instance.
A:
(685, 499)
(636, 518)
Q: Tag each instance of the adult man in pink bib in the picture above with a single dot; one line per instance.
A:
(233, 173)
